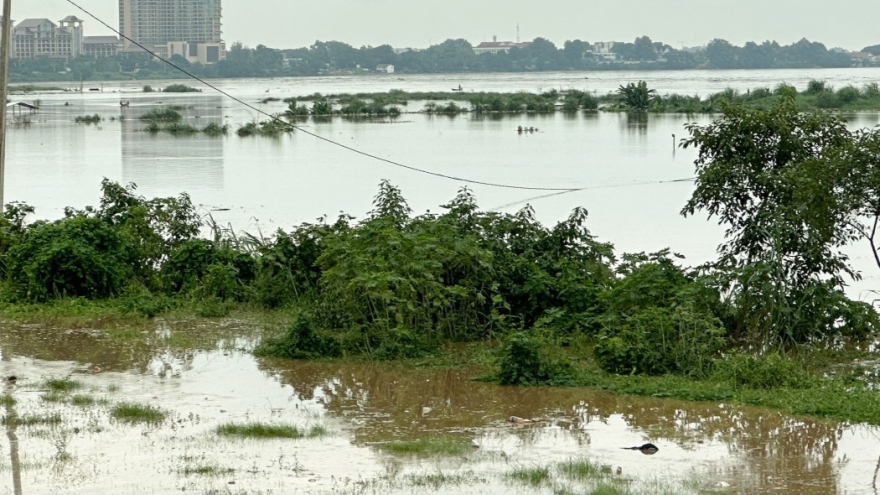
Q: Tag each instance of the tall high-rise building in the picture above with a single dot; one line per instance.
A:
(190, 28)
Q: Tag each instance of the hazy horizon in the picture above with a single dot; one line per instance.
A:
(284, 24)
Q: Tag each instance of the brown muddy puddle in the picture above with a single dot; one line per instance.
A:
(204, 377)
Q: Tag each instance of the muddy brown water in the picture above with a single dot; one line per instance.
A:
(203, 376)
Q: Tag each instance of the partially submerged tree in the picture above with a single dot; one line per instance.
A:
(793, 189)
(637, 96)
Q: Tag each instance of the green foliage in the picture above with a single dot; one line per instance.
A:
(128, 412)
(180, 88)
(271, 128)
(427, 446)
(793, 189)
(295, 111)
(659, 320)
(263, 430)
(166, 114)
(213, 129)
(88, 119)
(209, 267)
(527, 359)
(768, 371)
(78, 256)
(148, 88)
(301, 341)
(321, 107)
(138, 299)
(636, 96)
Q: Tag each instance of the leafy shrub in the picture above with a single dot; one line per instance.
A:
(848, 94)
(213, 129)
(815, 87)
(528, 360)
(301, 341)
(138, 299)
(828, 100)
(659, 320)
(88, 119)
(213, 307)
(167, 114)
(321, 107)
(77, 256)
(657, 341)
(210, 267)
(180, 88)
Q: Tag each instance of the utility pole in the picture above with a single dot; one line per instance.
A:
(6, 34)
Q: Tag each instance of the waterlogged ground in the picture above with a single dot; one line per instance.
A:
(64, 440)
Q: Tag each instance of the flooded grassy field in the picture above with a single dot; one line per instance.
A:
(183, 406)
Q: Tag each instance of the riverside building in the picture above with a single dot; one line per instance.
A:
(189, 28)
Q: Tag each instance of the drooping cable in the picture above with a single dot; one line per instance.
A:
(328, 140)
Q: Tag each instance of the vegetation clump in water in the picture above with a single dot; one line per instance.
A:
(88, 119)
(128, 412)
(427, 447)
(264, 430)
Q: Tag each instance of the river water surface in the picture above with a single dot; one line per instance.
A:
(627, 169)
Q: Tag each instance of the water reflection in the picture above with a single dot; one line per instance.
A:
(154, 160)
(182, 366)
(11, 422)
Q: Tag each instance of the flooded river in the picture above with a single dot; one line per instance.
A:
(204, 377)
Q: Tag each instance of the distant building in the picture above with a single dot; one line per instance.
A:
(386, 68)
(189, 28)
(33, 38)
(100, 46)
(496, 46)
(602, 51)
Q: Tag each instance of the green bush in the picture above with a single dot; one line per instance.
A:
(180, 88)
(301, 341)
(139, 300)
(658, 341)
(659, 319)
(76, 256)
(209, 267)
(529, 360)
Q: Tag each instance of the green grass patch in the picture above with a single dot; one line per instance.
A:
(62, 385)
(264, 430)
(7, 400)
(83, 400)
(128, 412)
(534, 476)
(427, 447)
(583, 469)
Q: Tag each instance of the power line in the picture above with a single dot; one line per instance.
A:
(328, 140)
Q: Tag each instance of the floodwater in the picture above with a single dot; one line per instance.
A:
(206, 376)
(623, 163)
(203, 377)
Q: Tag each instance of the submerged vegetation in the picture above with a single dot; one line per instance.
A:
(427, 447)
(137, 413)
(555, 305)
(261, 430)
(88, 119)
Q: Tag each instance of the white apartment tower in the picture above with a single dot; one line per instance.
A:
(190, 28)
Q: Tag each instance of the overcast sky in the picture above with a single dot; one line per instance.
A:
(850, 24)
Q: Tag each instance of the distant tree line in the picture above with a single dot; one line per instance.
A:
(453, 55)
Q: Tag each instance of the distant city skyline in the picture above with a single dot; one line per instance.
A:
(849, 24)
